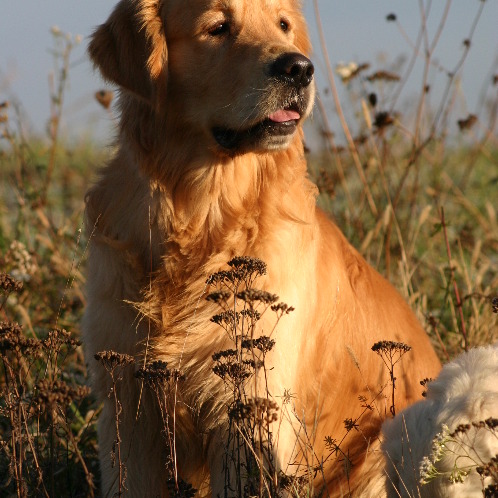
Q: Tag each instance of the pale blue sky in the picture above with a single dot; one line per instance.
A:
(356, 30)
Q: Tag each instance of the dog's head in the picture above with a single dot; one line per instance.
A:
(234, 73)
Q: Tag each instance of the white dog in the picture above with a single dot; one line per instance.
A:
(433, 448)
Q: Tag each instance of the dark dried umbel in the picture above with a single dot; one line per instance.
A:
(244, 270)
(227, 319)
(467, 123)
(491, 491)
(489, 469)
(263, 344)
(485, 469)
(249, 265)
(49, 393)
(157, 372)
(390, 348)
(391, 353)
(252, 295)
(219, 297)
(57, 338)
(494, 304)
(12, 340)
(232, 370)
(251, 314)
(350, 424)
(490, 423)
(383, 75)
(282, 309)
(256, 410)
(383, 119)
(180, 489)
(424, 383)
(9, 284)
(111, 359)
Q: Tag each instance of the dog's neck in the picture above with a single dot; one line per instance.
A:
(230, 205)
(201, 205)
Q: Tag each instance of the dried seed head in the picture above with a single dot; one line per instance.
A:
(263, 344)
(252, 295)
(157, 372)
(491, 423)
(282, 308)
(385, 346)
(460, 429)
(424, 383)
(12, 339)
(243, 269)
(180, 489)
(248, 265)
(467, 123)
(383, 75)
(383, 119)
(228, 353)
(9, 283)
(58, 337)
(227, 319)
(350, 424)
(349, 71)
(111, 359)
(50, 393)
(258, 410)
(331, 444)
(219, 297)
(252, 315)
(494, 305)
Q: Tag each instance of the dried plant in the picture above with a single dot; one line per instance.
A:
(391, 353)
(36, 405)
(250, 467)
(459, 446)
(114, 363)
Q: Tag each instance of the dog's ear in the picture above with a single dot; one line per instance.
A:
(130, 48)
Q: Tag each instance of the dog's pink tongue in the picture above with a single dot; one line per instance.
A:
(282, 116)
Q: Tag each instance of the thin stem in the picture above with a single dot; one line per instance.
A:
(459, 304)
(335, 95)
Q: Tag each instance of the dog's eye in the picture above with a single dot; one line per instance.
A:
(220, 29)
(284, 25)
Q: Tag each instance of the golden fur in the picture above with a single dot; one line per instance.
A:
(180, 199)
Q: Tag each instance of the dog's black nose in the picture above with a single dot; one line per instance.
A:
(293, 68)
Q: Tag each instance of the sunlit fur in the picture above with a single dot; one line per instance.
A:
(171, 207)
(466, 391)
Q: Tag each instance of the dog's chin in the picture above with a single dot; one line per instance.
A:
(266, 135)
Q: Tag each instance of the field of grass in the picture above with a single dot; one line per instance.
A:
(417, 199)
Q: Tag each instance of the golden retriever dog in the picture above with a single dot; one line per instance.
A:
(210, 164)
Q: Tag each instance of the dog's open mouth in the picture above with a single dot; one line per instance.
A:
(280, 123)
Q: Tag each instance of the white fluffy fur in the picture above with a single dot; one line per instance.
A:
(466, 391)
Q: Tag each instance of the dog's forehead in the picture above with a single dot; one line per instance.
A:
(177, 9)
